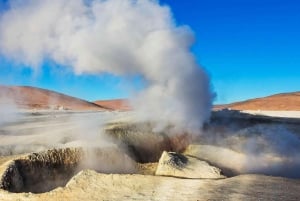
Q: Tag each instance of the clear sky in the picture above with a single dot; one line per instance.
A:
(250, 48)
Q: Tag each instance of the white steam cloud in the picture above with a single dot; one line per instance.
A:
(121, 37)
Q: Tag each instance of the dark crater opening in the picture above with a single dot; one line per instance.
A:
(45, 171)
(145, 145)
(41, 172)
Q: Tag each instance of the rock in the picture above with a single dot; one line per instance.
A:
(179, 165)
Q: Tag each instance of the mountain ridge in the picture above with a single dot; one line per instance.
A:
(289, 101)
(28, 97)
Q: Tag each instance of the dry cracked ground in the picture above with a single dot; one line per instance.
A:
(70, 165)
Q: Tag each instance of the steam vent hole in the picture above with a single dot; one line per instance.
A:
(143, 144)
(45, 171)
(41, 172)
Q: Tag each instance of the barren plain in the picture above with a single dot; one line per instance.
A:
(63, 154)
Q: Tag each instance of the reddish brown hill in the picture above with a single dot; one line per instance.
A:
(284, 101)
(36, 98)
(116, 104)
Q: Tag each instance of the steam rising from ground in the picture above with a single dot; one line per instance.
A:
(8, 111)
(38, 132)
(130, 37)
(121, 37)
(271, 149)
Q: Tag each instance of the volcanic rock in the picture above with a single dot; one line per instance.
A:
(179, 165)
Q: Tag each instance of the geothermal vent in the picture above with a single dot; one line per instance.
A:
(145, 145)
(45, 171)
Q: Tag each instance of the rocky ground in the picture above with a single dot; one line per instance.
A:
(127, 167)
(90, 185)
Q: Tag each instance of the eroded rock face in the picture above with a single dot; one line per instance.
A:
(44, 171)
(179, 165)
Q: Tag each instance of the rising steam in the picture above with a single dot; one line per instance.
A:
(121, 37)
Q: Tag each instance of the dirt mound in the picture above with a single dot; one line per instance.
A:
(278, 102)
(35, 98)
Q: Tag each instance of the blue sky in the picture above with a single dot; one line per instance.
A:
(250, 48)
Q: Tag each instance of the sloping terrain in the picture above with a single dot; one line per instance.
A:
(26, 97)
(116, 104)
(277, 102)
(89, 185)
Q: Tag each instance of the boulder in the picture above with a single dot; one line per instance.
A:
(183, 166)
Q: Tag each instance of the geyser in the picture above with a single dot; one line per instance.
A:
(120, 37)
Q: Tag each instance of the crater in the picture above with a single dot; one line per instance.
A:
(143, 143)
(45, 171)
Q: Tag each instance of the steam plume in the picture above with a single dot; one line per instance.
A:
(121, 37)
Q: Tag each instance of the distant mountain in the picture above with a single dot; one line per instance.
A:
(116, 104)
(283, 101)
(35, 98)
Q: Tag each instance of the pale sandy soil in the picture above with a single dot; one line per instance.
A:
(4, 159)
(42, 130)
(37, 132)
(89, 185)
(147, 168)
(287, 114)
